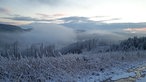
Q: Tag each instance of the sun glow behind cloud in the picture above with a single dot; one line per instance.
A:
(135, 30)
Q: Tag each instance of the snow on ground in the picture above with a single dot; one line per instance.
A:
(141, 80)
(74, 67)
(113, 73)
(123, 75)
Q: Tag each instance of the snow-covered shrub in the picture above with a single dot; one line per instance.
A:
(35, 50)
(41, 50)
(66, 68)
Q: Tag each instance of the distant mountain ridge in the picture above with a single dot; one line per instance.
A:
(11, 28)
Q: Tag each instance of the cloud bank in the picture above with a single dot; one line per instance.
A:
(24, 18)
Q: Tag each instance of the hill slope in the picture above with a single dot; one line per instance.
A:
(10, 28)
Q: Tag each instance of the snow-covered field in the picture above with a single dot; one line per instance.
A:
(84, 67)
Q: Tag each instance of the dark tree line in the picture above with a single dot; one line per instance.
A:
(134, 43)
(129, 44)
(81, 46)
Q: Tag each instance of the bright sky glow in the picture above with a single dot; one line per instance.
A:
(124, 10)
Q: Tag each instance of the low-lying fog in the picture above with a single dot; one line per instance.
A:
(60, 35)
(41, 33)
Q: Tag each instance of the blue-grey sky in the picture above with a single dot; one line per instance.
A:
(27, 11)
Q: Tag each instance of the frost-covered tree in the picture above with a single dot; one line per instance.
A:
(79, 46)
(134, 43)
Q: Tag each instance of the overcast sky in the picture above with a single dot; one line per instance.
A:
(15, 11)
